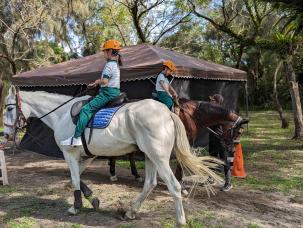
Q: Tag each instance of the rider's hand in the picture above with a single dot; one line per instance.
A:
(175, 95)
(92, 85)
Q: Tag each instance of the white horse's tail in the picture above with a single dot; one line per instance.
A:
(197, 167)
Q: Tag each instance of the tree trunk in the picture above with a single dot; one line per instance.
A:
(239, 56)
(134, 12)
(284, 120)
(295, 98)
(1, 99)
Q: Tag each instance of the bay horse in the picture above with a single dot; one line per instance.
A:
(146, 125)
(196, 115)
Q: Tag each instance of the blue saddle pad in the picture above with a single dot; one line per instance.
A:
(103, 117)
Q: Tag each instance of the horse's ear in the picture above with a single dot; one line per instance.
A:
(12, 91)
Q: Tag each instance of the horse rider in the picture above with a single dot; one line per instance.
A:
(110, 88)
(217, 145)
(165, 92)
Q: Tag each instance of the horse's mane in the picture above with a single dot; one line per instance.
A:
(206, 111)
(185, 102)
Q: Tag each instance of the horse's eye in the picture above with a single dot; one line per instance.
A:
(10, 109)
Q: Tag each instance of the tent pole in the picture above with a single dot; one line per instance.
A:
(246, 101)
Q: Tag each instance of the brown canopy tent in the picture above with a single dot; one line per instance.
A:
(140, 62)
(195, 79)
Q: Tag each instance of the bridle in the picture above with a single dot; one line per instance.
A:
(20, 122)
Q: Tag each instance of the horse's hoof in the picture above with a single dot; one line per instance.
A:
(130, 215)
(121, 213)
(180, 225)
(139, 179)
(184, 192)
(113, 178)
(227, 187)
(95, 203)
(73, 211)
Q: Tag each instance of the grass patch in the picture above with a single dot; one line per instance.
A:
(252, 225)
(275, 183)
(23, 222)
(272, 159)
(28, 207)
(126, 164)
(194, 223)
(7, 189)
(126, 226)
(76, 226)
(168, 223)
(191, 223)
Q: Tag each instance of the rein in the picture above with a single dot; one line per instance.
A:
(191, 116)
(20, 116)
(79, 94)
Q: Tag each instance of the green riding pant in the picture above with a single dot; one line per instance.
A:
(106, 94)
(165, 99)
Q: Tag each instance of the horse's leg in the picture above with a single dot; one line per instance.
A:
(112, 169)
(149, 183)
(87, 192)
(72, 160)
(174, 188)
(133, 167)
(179, 176)
(85, 163)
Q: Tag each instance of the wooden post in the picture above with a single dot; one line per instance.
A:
(3, 169)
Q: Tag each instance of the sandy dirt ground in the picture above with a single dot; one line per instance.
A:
(39, 196)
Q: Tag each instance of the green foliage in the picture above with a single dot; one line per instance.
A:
(190, 39)
(59, 52)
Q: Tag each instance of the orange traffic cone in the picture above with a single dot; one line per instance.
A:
(238, 166)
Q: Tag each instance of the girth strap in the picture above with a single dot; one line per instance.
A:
(88, 153)
(91, 129)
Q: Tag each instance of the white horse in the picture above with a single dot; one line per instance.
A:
(147, 125)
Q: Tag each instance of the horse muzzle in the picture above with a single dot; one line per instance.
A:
(8, 137)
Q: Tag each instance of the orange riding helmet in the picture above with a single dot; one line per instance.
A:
(170, 65)
(111, 44)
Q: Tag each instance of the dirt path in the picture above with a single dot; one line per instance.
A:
(38, 195)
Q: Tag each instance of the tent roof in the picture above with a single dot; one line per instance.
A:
(139, 62)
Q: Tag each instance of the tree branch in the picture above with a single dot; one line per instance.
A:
(218, 26)
(158, 2)
(172, 27)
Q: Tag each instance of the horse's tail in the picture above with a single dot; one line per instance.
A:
(197, 167)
